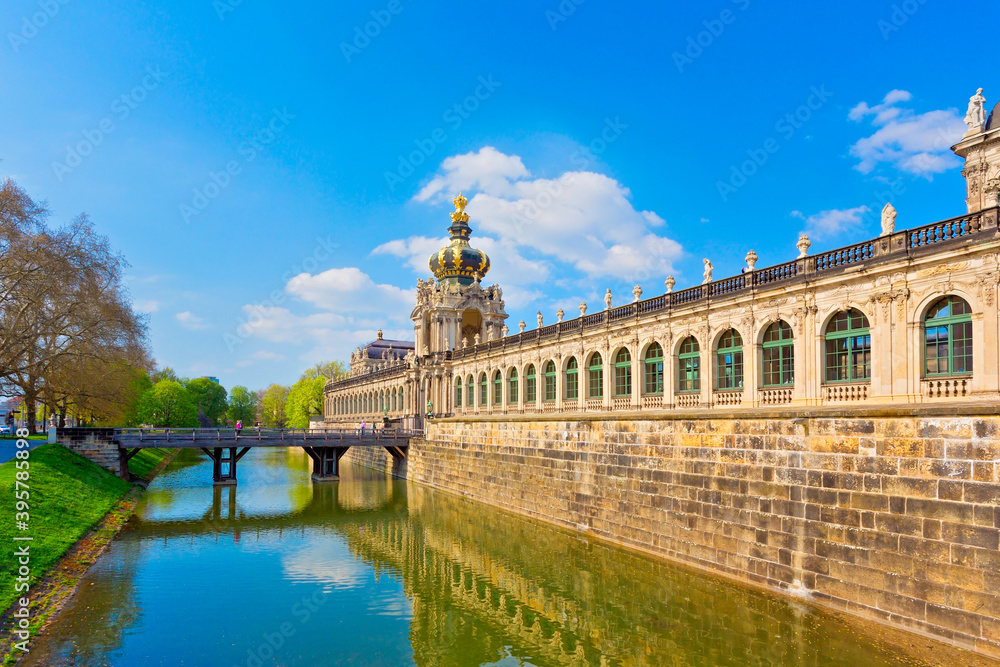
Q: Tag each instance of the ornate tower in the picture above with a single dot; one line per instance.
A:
(458, 262)
(980, 147)
(453, 307)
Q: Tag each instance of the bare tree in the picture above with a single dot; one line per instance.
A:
(65, 315)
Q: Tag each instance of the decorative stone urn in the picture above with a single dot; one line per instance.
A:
(803, 245)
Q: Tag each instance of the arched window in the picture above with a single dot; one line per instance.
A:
(470, 395)
(948, 337)
(401, 402)
(483, 388)
(393, 401)
(595, 379)
(572, 380)
(778, 355)
(689, 366)
(623, 373)
(653, 369)
(497, 388)
(848, 348)
(458, 392)
(512, 386)
(550, 381)
(529, 385)
(729, 361)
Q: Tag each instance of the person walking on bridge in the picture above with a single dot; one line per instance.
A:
(239, 424)
(363, 425)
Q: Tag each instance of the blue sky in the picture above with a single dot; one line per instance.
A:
(277, 177)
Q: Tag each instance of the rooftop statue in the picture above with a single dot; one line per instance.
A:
(707, 275)
(888, 219)
(975, 117)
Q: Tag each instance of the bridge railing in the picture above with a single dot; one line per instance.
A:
(250, 434)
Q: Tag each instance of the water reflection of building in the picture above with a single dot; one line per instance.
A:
(908, 317)
(484, 582)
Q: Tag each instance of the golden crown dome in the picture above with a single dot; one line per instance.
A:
(458, 261)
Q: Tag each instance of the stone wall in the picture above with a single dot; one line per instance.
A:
(377, 458)
(888, 515)
(92, 443)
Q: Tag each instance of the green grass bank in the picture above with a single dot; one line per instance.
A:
(68, 496)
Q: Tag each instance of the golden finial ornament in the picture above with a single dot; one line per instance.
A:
(460, 215)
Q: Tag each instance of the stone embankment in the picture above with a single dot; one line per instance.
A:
(890, 515)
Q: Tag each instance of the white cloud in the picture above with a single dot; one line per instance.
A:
(264, 355)
(580, 218)
(534, 229)
(147, 306)
(914, 143)
(351, 291)
(832, 223)
(191, 321)
(489, 170)
(260, 355)
(323, 335)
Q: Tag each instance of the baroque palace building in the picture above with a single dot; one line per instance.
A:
(908, 317)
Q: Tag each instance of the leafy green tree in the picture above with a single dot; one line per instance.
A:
(305, 399)
(242, 406)
(210, 397)
(168, 404)
(327, 369)
(166, 373)
(139, 385)
(272, 406)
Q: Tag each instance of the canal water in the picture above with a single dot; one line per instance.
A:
(372, 571)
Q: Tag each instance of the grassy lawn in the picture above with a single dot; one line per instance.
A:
(69, 494)
(143, 463)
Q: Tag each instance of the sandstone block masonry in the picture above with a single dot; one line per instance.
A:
(93, 443)
(889, 515)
